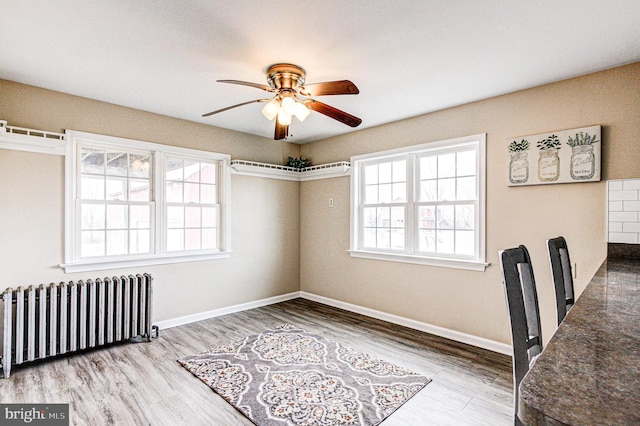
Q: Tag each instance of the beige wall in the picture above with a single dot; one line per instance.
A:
(287, 238)
(466, 301)
(265, 212)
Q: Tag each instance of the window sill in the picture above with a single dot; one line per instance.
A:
(421, 260)
(101, 265)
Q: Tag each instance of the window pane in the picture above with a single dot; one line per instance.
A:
(192, 217)
(465, 217)
(445, 217)
(92, 161)
(191, 193)
(446, 189)
(427, 240)
(117, 217)
(173, 192)
(92, 216)
(384, 193)
(397, 217)
(209, 217)
(92, 187)
(92, 243)
(369, 239)
(383, 238)
(466, 163)
(399, 192)
(465, 244)
(175, 217)
(191, 171)
(371, 194)
(446, 165)
(139, 190)
(400, 171)
(139, 241)
(371, 174)
(175, 239)
(383, 217)
(174, 169)
(444, 242)
(369, 214)
(208, 173)
(466, 188)
(208, 194)
(428, 190)
(384, 172)
(209, 238)
(192, 239)
(117, 163)
(427, 215)
(140, 217)
(139, 165)
(397, 239)
(117, 242)
(428, 167)
(116, 188)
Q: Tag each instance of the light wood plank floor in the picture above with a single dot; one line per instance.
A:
(142, 384)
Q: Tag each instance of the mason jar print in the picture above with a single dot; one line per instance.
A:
(548, 165)
(519, 167)
(583, 162)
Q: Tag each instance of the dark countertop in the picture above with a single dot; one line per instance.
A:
(589, 373)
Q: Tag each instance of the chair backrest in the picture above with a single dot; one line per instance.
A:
(562, 276)
(522, 301)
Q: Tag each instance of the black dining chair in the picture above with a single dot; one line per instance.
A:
(562, 275)
(522, 301)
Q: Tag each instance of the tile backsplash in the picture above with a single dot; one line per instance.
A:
(623, 214)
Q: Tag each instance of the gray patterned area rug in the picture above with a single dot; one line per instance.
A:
(286, 376)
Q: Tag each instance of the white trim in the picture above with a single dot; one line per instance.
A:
(187, 319)
(420, 260)
(274, 171)
(101, 265)
(457, 336)
(30, 140)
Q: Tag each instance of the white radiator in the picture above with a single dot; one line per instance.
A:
(54, 319)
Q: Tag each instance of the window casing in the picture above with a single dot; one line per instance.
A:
(421, 204)
(132, 203)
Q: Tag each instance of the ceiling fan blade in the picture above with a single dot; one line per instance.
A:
(247, 83)
(335, 113)
(342, 87)
(281, 131)
(235, 106)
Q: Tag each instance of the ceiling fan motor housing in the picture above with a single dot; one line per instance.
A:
(285, 76)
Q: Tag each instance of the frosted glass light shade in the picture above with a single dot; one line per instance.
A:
(271, 109)
(302, 112)
(288, 106)
(284, 119)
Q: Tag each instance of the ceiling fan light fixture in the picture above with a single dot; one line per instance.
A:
(302, 112)
(271, 109)
(288, 106)
(284, 119)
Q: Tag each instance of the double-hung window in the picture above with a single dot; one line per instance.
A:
(421, 204)
(131, 203)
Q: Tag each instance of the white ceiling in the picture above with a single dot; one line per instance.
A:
(407, 57)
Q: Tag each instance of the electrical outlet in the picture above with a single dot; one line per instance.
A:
(331, 202)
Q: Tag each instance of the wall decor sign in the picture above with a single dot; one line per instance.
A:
(563, 156)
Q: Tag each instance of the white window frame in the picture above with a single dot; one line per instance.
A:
(158, 255)
(477, 262)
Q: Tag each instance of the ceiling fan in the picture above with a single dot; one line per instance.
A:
(294, 98)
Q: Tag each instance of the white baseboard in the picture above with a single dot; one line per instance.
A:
(416, 325)
(394, 319)
(224, 311)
